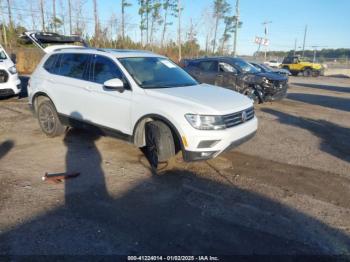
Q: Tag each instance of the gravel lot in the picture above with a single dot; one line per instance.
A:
(287, 191)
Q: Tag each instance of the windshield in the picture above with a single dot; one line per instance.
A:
(2, 55)
(266, 68)
(156, 72)
(244, 66)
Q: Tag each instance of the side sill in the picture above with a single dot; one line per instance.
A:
(101, 130)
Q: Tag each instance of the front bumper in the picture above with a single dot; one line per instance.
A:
(225, 140)
(11, 87)
(275, 92)
(197, 156)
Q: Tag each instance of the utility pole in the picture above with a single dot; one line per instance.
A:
(70, 16)
(42, 15)
(315, 50)
(123, 17)
(266, 33)
(10, 14)
(179, 27)
(305, 32)
(295, 47)
(54, 15)
(97, 26)
(236, 29)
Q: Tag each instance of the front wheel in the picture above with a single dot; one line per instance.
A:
(48, 119)
(160, 144)
(253, 94)
(307, 72)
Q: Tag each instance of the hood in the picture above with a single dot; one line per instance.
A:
(6, 63)
(272, 76)
(204, 98)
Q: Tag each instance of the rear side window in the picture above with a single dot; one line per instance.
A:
(193, 64)
(50, 63)
(209, 66)
(74, 65)
(105, 69)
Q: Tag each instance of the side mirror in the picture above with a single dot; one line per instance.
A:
(13, 58)
(114, 84)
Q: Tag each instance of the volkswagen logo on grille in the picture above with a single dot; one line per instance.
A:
(244, 116)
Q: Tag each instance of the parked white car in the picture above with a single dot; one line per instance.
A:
(10, 84)
(273, 63)
(141, 97)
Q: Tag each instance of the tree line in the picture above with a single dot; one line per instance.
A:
(342, 54)
(156, 19)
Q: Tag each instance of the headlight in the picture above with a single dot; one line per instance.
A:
(203, 122)
(13, 70)
(265, 80)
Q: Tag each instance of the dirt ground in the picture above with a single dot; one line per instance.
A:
(287, 191)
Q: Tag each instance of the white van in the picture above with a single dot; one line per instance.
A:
(10, 84)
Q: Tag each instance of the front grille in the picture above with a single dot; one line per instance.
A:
(238, 117)
(3, 76)
(279, 84)
(6, 92)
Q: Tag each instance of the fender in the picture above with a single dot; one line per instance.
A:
(136, 135)
(40, 93)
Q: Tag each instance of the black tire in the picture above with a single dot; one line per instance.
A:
(160, 144)
(295, 73)
(250, 92)
(307, 72)
(316, 73)
(48, 119)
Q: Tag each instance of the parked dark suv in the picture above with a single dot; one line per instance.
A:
(239, 75)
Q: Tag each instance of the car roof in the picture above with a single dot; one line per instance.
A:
(118, 53)
(215, 58)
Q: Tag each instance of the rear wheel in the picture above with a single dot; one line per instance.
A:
(307, 72)
(315, 73)
(160, 145)
(48, 118)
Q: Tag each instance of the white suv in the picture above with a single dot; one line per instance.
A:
(9, 81)
(141, 97)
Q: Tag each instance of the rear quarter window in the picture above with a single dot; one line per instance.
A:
(50, 63)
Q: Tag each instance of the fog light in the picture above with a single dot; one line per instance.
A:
(207, 143)
(206, 154)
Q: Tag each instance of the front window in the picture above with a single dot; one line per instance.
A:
(227, 68)
(105, 69)
(265, 68)
(244, 66)
(2, 55)
(156, 72)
